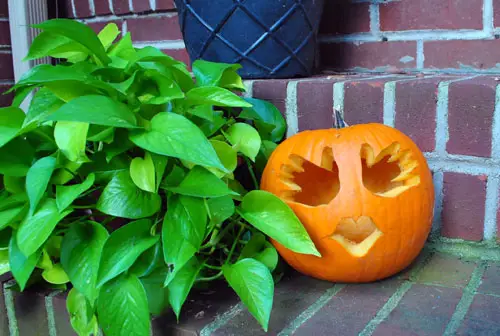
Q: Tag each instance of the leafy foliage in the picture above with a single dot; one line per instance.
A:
(122, 181)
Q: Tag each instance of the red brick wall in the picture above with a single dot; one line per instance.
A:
(151, 22)
(415, 35)
(6, 70)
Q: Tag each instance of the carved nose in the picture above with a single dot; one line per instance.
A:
(357, 236)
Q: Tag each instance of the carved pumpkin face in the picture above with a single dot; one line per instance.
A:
(364, 194)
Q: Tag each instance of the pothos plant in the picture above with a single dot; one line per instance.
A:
(125, 179)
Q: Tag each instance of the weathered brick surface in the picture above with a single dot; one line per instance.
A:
(102, 7)
(82, 8)
(154, 28)
(462, 54)
(5, 100)
(61, 316)
(65, 9)
(4, 9)
(482, 317)
(430, 14)
(463, 206)
(416, 111)
(273, 91)
(179, 54)
(286, 307)
(458, 272)
(345, 18)
(165, 5)
(141, 6)
(371, 55)
(4, 33)
(121, 7)
(315, 104)
(348, 312)
(6, 70)
(491, 281)
(470, 116)
(423, 310)
(31, 313)
(496, 14)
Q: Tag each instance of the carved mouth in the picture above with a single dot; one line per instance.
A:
(357, 236)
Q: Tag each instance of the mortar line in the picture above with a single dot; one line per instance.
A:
(488, 24)
(111, 8)
(222, 320)
(73, 8)
(384, 312)
(49, 307)
(91, 7)
(410, 35)
(124, 28)
(249, 88)
(178, 44)
(495, 128)
(375, 18)
(313, 309)
(292, 118)
(11, 311)
(131, 6)
(420, 55)
(465, 302)
(491, 207)
(152, 4)
(438, 201)
(473, 251)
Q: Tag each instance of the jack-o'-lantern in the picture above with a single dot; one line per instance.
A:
(364, 194)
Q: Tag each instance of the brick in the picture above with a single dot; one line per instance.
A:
(4, 322)
(315, 104)
(65, 9)
(470, 116)
(345, 18)
(496, 12)
(416, 111)
(82, 8)
(462, 54)
(286, 307)
(141, 6)
(273, 90)
(180, 55)
(348, 312)
(154, 29)
(4, 8)
(491, 281)
(30, 312)
(364, 101)
(165, 5)
(482, 317)
(378, 56)
(6, 70)
(423, 310)
(121, 7)
(4, 33)
(201, 308)
(102, 7)
(5, 100)
(446, 270)
(61, 316)
(463, 206)
(431, 14)
(98, 26)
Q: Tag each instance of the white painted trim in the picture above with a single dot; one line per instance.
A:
(176, 45)
(292, 118)
(410, 35)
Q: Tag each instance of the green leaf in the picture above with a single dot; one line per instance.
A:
(20, 265)
(273, 217)
(71, 138)
(55, 275)
(37, 180)
(191, 215)
(160, 163)
(99, 133)
(142, 172)
(213, 95)
(5, 236)
(174, 135)
(157, 295)
(14, 184)
(35, 229)
(148, 261)
(253, 283)
(81, 314)
(122, 198)
(66, 195)
(245, 138)
(108, 35)
(227, 155)
(122, 307)
(120, 145)
(81, 251)
(11, 121)
(211, 74)
(260, 249)
(54, 45)
(4, 262)
(203, 111)
(266, 149)
(12, 209)
(122, 249)
(77, 32)
(268, 119)
(176, 249)
(167, 89)
(98, 110)
(220, 208)
(13, 164)
(202, 183)
(181, 284)
(123, 48)
(44, 103)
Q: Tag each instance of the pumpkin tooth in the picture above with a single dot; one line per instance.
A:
(406, 173)
(292, 186)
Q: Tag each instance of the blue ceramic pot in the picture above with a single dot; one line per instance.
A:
(269, 38)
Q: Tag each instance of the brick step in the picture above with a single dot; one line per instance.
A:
(439, 293)
(455, 120)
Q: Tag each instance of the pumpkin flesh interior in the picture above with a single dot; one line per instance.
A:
(357, 236)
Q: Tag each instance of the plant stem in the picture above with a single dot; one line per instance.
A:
(213, 267)
(252, 173)
(236, 240)
(215, 277)
(83, 206)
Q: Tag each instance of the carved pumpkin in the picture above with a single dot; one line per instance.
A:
(364, 194)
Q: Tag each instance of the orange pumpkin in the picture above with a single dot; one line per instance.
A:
(364, 194)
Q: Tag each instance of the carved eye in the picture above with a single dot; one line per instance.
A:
(311, 184)
(390, 173)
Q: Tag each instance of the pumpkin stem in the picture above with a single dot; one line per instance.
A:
(339, 121)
